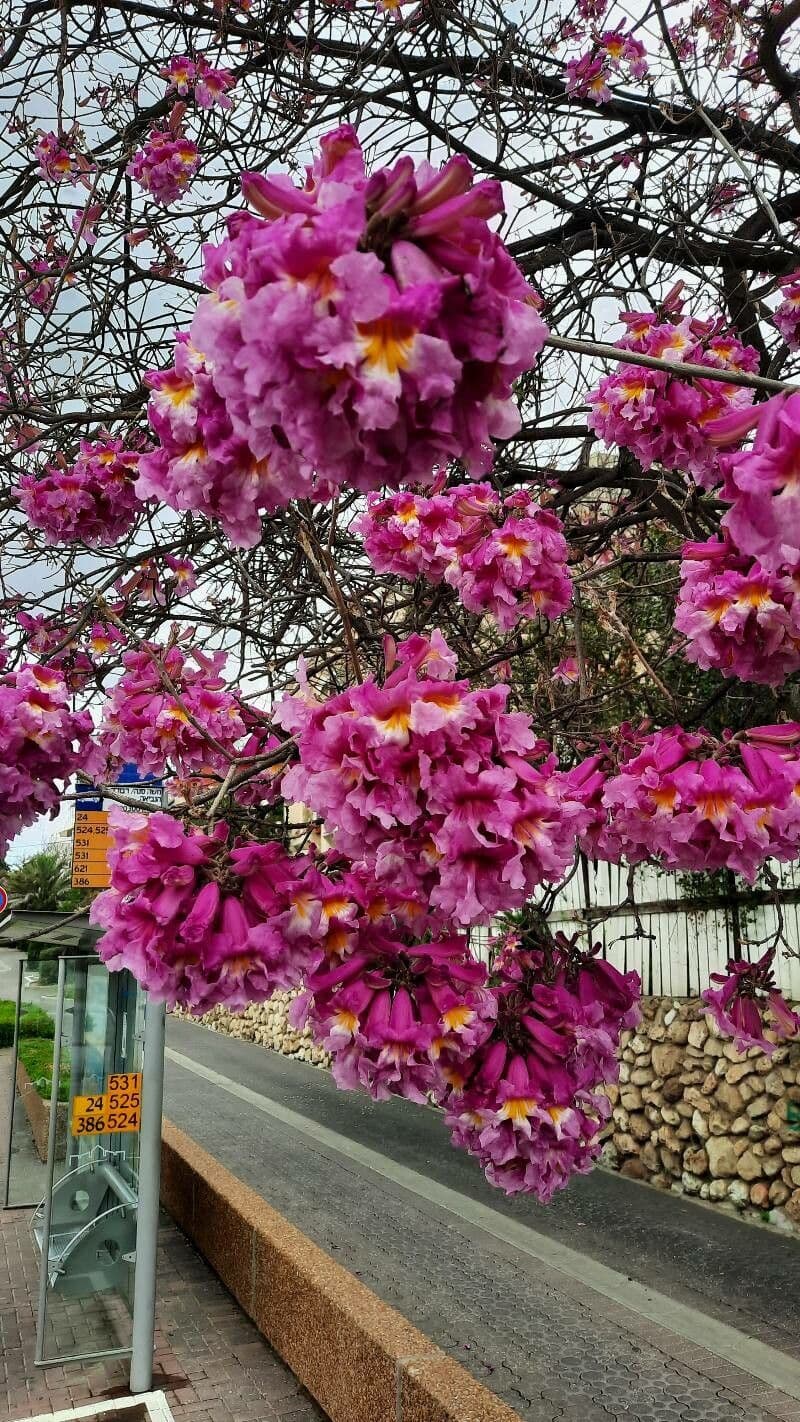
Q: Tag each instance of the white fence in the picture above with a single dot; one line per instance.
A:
(673, 940)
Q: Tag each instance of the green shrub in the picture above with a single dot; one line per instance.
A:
(48, 971)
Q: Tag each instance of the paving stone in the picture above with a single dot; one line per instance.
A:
(215, 1359)
(240, 1379)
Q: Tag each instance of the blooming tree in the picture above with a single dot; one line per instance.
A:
(400, 456)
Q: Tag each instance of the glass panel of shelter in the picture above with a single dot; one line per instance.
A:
(87, 1238)
(26, 1097)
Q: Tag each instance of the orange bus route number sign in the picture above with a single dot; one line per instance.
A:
(111, 1112)
(90, 844)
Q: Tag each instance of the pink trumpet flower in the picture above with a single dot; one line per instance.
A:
(507, 559)
(746, 999)
(42, 744)
(739, 618)
(761, 484)
(361, 330)
(787, 316)
(435, 786)
(92, 501)
(56, 158)
(660, 417)
(529, 1101)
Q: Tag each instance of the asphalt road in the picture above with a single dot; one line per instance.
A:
(746, 1275)
(614, 1302)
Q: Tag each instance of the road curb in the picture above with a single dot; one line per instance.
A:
(357, 1356)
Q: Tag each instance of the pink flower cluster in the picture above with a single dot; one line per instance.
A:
(567, 672)
(263, 786)
(529, 1103)
(199, 923)
(92, 501)
(103, 639)
(171, 708)
(437, 787)
(83, 222)
(690, 802)
(613, 52)
(763, 484)
(39, 277)
(52, 636)
(587, 75)
(659, 417)
(624, 52)
(55, 157)
(184, 575)
(519, 1063)
(787, 316)
(200, 464)
(165, 166)
(43, 631)
(41, 742)
(512, 567)
(739, 618)
(396, 1016)
(210, 85)
(361, 331)
(746, 993)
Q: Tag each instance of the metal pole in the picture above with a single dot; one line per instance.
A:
(144, 1286)
(13, 1090)
(77, 1044)
(44, 1262)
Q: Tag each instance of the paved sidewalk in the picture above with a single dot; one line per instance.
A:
(539, 1331)
(211, 1363)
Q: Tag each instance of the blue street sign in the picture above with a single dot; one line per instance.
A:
(130, 774)
(140, 787)
(87, 798)
(130, 779)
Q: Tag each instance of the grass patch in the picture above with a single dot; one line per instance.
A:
(36, 1055)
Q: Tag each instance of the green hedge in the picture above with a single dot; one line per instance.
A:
(7, 1015)
(34, 1022)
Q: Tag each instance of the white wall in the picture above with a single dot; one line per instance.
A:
(674, 945)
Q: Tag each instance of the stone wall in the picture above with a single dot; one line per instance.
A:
(268, 1024)
(693, 1115)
